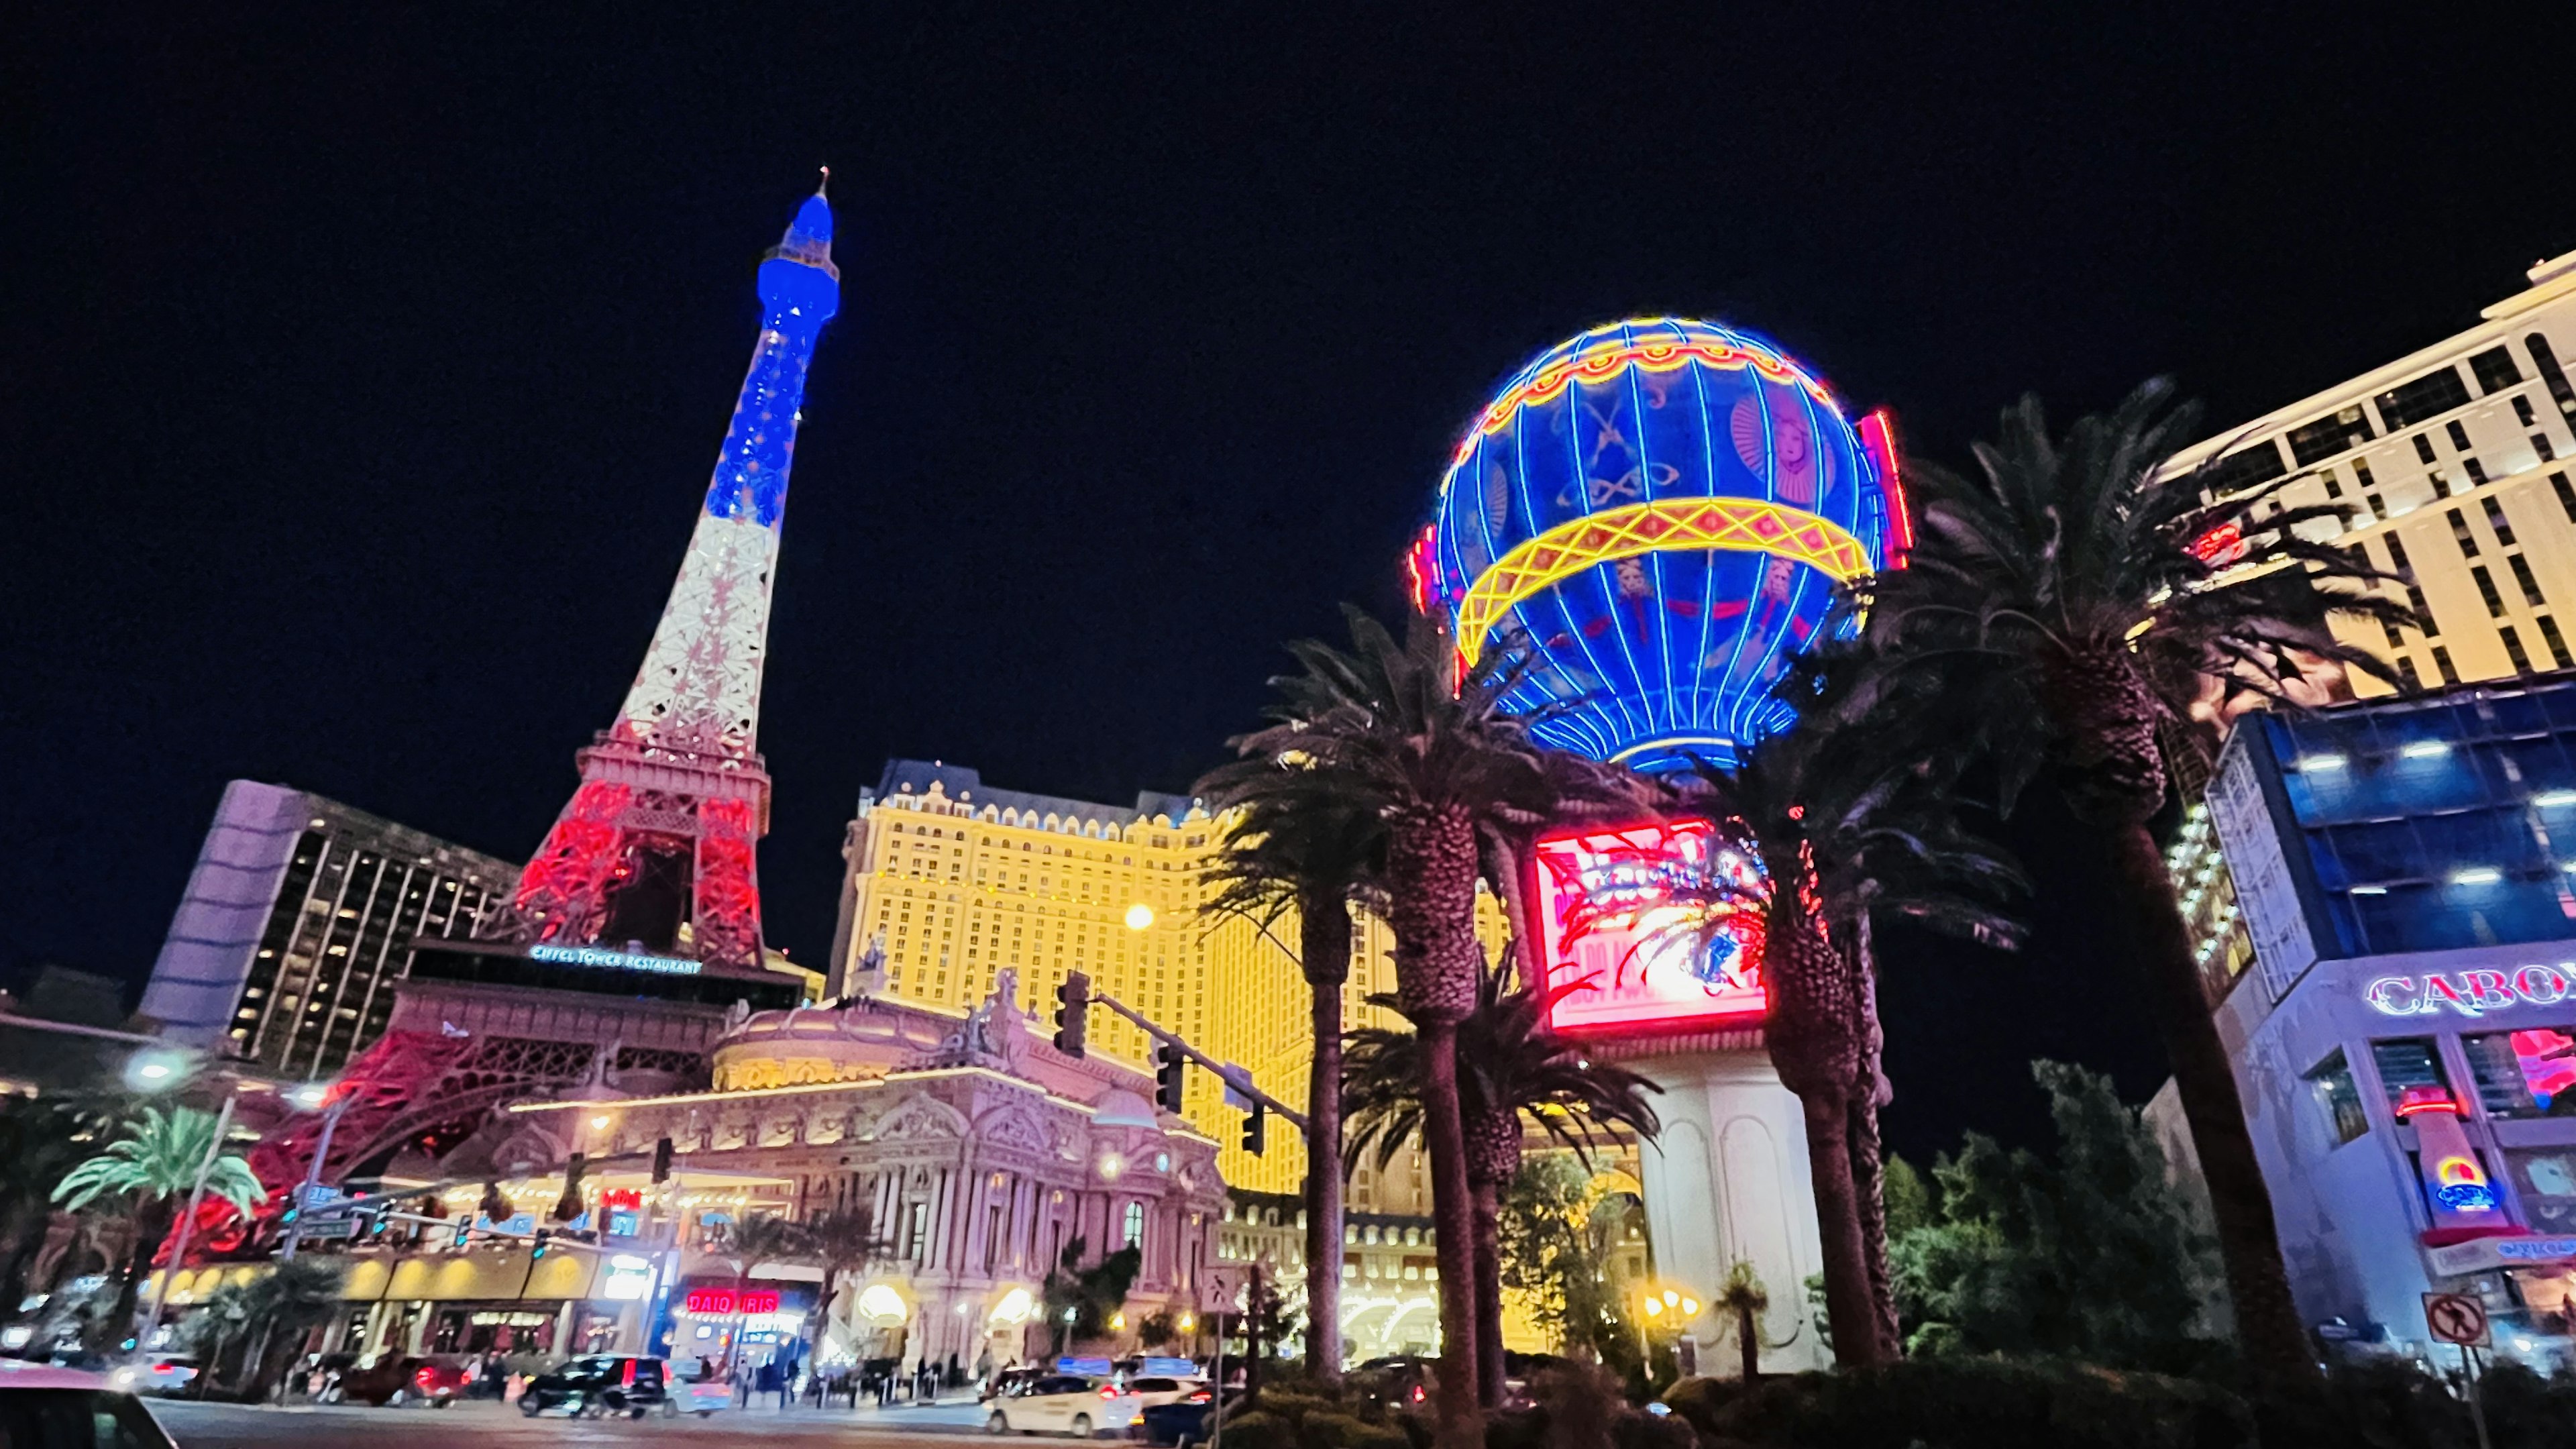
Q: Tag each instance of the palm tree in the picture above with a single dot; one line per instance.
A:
(1745, 1301)
(838, 1241)
(1295, 843)
(1848, 814)
(1511, 1068)
(1408, 734)
(296, 1296)
(40, 1140)
(2059, 598)
(153, 1165)
(748, 1243)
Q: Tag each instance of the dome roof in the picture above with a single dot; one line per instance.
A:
(1663, 509)
(1118, 1107)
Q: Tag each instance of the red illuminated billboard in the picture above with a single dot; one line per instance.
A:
(725, 1302)
(1639, 915)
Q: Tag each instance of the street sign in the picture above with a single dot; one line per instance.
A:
(2456, 1318)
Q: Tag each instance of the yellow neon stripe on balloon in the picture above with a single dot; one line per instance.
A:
(1733, 525)
(1610, 352)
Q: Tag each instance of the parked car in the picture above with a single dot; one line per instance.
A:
(596, 1386)
(1188, 1419)
(1076, 1404)
(1395, 1382)
(1008, 1381)
(53, 1408)
(157, 1373)
(399, 1381)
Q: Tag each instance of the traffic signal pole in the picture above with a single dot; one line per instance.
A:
(1237, 1079)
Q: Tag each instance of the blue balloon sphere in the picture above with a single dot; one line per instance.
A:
(1661, 509)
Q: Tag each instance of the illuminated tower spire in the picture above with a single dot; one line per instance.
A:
(673, 796)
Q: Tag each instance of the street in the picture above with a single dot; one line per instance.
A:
(493, 1426)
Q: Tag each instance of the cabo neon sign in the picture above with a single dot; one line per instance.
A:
(2470, 993)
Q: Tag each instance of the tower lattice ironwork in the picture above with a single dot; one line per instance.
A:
(673, 796)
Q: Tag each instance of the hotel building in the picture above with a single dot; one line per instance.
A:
(2406, 1040)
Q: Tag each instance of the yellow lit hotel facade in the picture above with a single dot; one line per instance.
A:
(949, 881)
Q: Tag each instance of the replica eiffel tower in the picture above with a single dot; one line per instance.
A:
(659, 836)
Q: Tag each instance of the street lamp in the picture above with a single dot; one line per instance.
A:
(308, 1096)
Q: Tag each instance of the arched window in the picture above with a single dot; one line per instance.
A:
(1136, 1225)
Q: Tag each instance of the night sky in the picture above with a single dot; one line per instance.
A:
(360, 375)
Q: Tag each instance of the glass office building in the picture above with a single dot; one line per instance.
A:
(2406, 1041)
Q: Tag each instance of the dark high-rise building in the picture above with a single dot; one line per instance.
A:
(298, 920)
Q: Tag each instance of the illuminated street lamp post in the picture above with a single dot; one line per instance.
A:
(158, 1071)
(311, 1095)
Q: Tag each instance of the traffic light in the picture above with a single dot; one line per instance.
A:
(537, 1248)
(662, 1160)
(1252, 1126)
(371, 1219)
(464, 1228)
(1072, 1020)
(1169, 1063)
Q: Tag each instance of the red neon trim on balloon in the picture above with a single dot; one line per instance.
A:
(1878, 439)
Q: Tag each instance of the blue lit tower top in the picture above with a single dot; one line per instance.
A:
(699, 689)
(1661, 508)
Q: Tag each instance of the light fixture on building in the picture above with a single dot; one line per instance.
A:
(1140, 916)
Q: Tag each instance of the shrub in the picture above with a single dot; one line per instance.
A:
(1259, 1429)
(1293, 1405)
(1328, 1429)
(1969, 1403)
(1696, 1401)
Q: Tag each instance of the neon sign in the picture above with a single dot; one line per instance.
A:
(2470, 993)
(725, 1302)
(1610, 925)
(616, 960)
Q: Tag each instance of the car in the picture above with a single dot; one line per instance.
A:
(53, 1408)
(155, 1373)
(1008, 1381)
(1395, 1382)
(692, 1386)
(1078, 1404)
(399, 1381)
(1155, 1390)
(1186, 1420)
(596, 1386)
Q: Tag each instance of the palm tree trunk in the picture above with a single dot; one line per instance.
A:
(1869, 1176)
(1748, 1338)
(1489, 1294)
(1869, 1196)
(152, 1224)
(1324, 940)
(1838, 1229)
(1453, 1213)
(2249, 1243)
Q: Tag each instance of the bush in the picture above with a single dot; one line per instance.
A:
(1696, 1401)
(1975, 1403)
(1259, 1430)
(2393, 1402)
(1293, 1405)
(1329, 1429)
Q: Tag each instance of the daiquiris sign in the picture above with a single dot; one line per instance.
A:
(2471, 993)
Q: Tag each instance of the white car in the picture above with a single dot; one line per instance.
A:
(1075, 1404)
(51, 1408)
(1156, 1389)
(159, 1373)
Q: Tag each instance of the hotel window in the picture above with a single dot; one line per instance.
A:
(2540, 444)
(2550, 373)
(2477, 471)
(2459, 436)
(2407, 1062)
(2460, 532)
(2334, 488)
(2442, 662)
(2406, 671)
(2330, 1081)
(2522, 575)
(2424, 447)
(2378, 508)
(2523, 413)
(2426, 397)
(2514, 651)
(2556, 641)
(2497, 521)
(2529, 1073)
(2487, 591)
(2346, 429)
(2361, 473)
(2566, 494)
(2494, 369)
(2396, 637)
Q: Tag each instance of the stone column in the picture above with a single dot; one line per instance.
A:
(1727, 1181)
